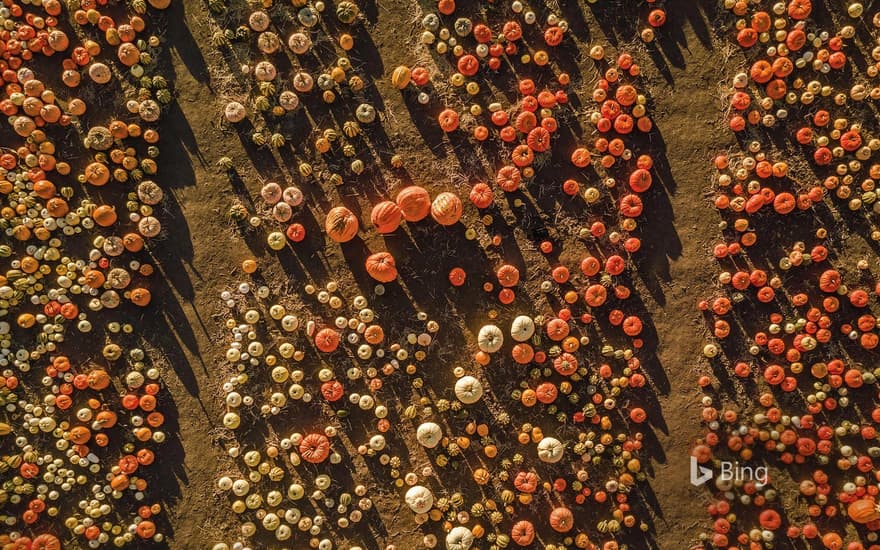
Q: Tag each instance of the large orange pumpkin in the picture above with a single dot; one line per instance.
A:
(341, 224)
(386, 216)
(327, 340)
(46, 541)
(508, 275)
(381, 267)
(863, 510)
(141, 296)
(523, 532)
(481, 195)
(508, 178)
(561, 519)
(446, 208)
(98, 379)
(526, 482)
(80, 435)
(314, 448)
(414, 202)
(104, 215)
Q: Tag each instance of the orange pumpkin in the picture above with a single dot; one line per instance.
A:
(561, 519)
(381, 267)
(128, 54)
(341, 224)
(80, 435)
(386, 216)
(832, 541)
(107, 419)
(314, 448)
(104, 215)
(508, 178)
(508, 275)
(448, 120)
(414, 202)
(523, 353)
(863, 510)
(481, 195)
(799, 9)
(141, 297)
(526, 482)
(57, 207)
(146, 528)
(94, 278)
(97, 174)
(446, 208)
(523, 532)
(133, 242)
(98, 379)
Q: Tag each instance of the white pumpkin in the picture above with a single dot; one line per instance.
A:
(419, 499)
(459, 538)
(490, 339)
(468, 390)
(550, 450)
(522, 328)
(429, 434)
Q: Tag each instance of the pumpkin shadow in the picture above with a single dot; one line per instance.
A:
(184, 43)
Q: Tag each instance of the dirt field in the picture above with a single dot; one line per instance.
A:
(683, 71)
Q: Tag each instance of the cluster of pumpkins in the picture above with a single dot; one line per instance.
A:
(81, 436)
(794, 323)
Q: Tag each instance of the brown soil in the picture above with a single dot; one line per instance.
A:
(684, 69)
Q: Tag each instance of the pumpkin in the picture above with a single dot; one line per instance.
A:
(401, 77)
(446, 208)
(347, 12)
(557, 330)
(546, 392)
(490, 339)
(526, 482)
(459, 537)
(429, 434)
(481, 195)
(97, 174)
(561, 519)
(332, 390)
(420, 499)
(314, 448)
(468, 390)
(128, 54)
(341, 224)
(832, 541)
(640, 180)
(863, 510)
(565, 364)
(327, 340)
(799, 9)
(829, 280)
(523, 532)
(80, 435)
(523, 353)
(448, 120)
(141, 297)
(414, 202)
(508, 178)
(522, 328)
(46, 541)
(508, 275)
(550, 450)
(98, 379)
(381, 267)
(386, 216)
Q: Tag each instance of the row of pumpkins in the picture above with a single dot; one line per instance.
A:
(412, 204)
